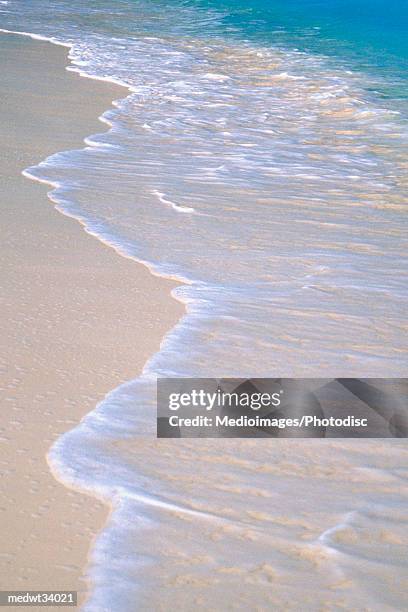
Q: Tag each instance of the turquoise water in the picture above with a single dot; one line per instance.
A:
(259, 155)
(365, 33)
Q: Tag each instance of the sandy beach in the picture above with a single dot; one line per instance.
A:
(77, 319)
(257, 157)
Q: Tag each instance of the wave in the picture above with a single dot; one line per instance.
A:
(272, 186)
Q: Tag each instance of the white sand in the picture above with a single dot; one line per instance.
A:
(77, 318)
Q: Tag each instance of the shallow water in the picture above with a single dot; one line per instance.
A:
(265, 167)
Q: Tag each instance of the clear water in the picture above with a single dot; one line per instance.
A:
(260, 158)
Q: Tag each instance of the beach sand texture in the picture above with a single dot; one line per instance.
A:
(77, 319)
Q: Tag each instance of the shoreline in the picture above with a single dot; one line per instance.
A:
(240, 522)
(106, 317)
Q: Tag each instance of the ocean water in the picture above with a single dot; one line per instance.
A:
(260, 157)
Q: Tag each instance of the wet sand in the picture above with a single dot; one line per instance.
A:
(77, 319)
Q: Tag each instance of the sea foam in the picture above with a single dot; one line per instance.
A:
(292, 173)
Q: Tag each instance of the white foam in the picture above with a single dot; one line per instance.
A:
(216, 77)
(173, 205)
(50, 39)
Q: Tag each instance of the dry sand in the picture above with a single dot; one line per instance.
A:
(77, 319)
